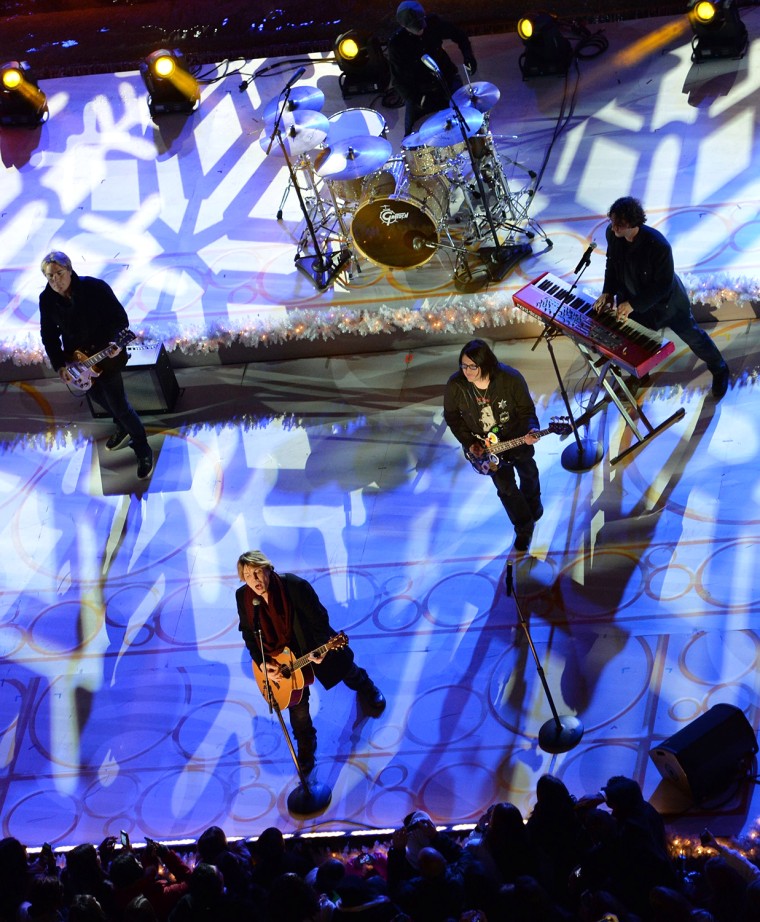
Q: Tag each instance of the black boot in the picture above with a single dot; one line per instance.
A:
(372, 699)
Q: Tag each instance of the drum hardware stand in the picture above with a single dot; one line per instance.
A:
(499, 258)
(320, 268)
(585, 453)
(307, 799)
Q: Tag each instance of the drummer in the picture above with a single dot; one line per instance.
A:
(423, 34)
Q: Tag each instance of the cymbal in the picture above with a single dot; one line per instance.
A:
(482, 95)
(352, 158)
(301, 97)
(443, 129)
(300, 131)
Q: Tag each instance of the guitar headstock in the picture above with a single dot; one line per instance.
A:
(338, 641)
(560, 425)
(124, 338)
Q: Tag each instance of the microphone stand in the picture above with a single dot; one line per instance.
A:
(320, 268)
(585, 453)
(308, 798)
(499, 258)
(559, 734)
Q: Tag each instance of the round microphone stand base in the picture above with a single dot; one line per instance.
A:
(309, 800)
(581, 456)
(554, 738)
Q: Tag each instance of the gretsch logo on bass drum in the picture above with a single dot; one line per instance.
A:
(388, 216)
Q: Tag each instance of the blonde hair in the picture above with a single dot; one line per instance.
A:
(57, 257)
(253, 559)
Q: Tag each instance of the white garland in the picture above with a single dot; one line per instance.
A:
(456, 314)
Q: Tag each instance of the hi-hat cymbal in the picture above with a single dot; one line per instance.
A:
(300, 131)
(443, 128)
(301, 97)
(352, 158)
(481, 95)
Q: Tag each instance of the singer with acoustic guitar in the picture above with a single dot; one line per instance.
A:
(84, 329)
(299, 645)
(486, 403)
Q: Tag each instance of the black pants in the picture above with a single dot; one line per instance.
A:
(108, 391)
(683, 324)
(522, 503)
(300, 718)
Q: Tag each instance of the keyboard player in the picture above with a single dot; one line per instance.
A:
(640, 282)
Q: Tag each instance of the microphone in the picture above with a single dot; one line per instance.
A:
(296, 76)
(509, 577)
(585, 259)
(430, 64)
(256, 616)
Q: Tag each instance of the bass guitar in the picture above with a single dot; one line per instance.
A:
(85, 368)
(489, 460)
(287, 689)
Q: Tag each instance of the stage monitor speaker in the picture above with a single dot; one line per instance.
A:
(713, 752)
(148, 380)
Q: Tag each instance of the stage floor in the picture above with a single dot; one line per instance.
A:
(127, 694)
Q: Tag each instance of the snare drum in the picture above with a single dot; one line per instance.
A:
(398, 215)
(353, 122)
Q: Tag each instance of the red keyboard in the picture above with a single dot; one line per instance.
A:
(628, 344)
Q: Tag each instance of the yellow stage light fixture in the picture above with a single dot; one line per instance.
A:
(718, 30)
(22, 102)
(171, 87)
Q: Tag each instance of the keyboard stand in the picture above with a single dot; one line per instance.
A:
(617, 391)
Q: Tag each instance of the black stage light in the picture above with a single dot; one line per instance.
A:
(718, 30)
(363, 66)
(171, 87)
(22, 102)
(547, 51)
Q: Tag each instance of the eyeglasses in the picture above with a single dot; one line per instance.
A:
(468, 367)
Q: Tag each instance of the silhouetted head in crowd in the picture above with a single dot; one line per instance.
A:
(45, 897)
(431, 863)
(330, 873)
(125, 870)
(623, 796)
(85, 908)
(669, 905)
(291, 899)
(211, 842)
(206, 884)
(140, 910)
(83, 863)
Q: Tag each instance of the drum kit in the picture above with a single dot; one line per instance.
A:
(447, 188)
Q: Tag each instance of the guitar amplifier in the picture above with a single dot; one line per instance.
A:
(149, 381)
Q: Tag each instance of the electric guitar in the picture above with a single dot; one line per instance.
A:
(85, 368)
(287, 689)
(489, 460)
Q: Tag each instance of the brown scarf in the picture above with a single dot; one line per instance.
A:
(276, 616)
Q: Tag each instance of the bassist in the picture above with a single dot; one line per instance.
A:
(82, 314)
(488, 401)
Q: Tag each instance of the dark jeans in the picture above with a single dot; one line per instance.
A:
(522, 503)
(300, 718)
(683, 324)
(431, 102)
(108, 391)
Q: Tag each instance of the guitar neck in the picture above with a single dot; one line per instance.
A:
(305, 660)
(498, 447)
(94, 359)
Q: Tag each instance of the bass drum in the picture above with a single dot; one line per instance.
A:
(398, 215)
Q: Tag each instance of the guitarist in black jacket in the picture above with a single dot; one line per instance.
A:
(83, 314)
(488, 399)
(289, 613)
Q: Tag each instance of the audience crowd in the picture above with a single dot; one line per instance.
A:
(593, 859)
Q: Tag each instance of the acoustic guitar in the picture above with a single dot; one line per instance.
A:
(287, 689)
